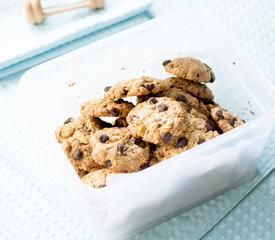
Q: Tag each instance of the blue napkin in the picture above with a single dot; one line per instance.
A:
(20, 41)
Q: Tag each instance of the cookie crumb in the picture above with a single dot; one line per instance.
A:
(122, 68)
(72, 84)
(251, 112)
(143, 70)
(234, 63)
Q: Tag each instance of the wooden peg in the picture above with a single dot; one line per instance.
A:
(35, 13)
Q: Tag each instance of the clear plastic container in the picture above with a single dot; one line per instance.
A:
(134, 202)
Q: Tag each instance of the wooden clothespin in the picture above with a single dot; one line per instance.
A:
(35, 13)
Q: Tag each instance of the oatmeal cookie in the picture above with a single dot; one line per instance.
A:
(97, 177)
(197, 132)
(187, 100)
(225, 119)
(106, 108)
(136, 87)
(157, 120)
(73, 137)
(119, 150)
(190, 69)
(210, 105)
(198, 90)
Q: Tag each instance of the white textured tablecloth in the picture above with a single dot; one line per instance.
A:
(27, 210)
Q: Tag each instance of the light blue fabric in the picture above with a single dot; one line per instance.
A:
(67, 47)
(253, 218)
(23, 41)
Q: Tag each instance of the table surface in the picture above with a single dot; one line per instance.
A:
(30, 212)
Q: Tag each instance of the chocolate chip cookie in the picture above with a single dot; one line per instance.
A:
(136, 87)
(97, 177)
(119, 150)
(187, 100)
(198, 90)
(164, 151)
(189, 68)
(225, 119)
(106, 108)
(73, 137)
(197, 132)
(158, 120)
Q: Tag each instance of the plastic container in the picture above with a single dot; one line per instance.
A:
(134, 202)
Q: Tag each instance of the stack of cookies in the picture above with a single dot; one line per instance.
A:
(170, 116)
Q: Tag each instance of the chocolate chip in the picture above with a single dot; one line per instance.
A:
(107, 88)
(166, 62)
(219, 114)
(162, 107)
(142, 144)
(132, 118)
(149, 86)
(103, 138)
(135, 140)
(125, 92)
(152, 147)
(208, 127)
(172, 65)
(198, 75)
(200, 141)
(102, 186)
(114, 112)
(166, 137)
(122, 148)
(109, 164)
(143, 166)
(68, 120)
(212, 77)
(152, 100)
(232, 121)
(206, 65)
(181, 98)
(243, 121)
(77, 155)
(182, 142)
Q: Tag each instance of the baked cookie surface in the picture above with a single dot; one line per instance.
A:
(119, 149)
(106, 108)
(197, 132)
(157, 120)
(187, 100)
(73, 137)
(226, 120)
(198, 90)
(136, 87)
(97, 178)
(189, 68)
